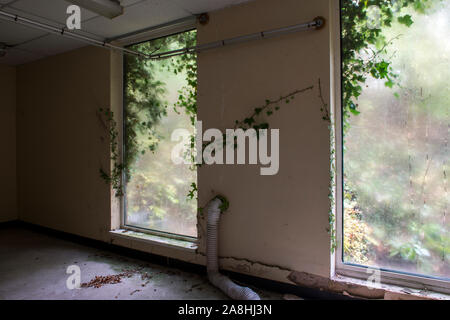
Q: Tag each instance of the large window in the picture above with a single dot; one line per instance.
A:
(395, 136)
(160, 96)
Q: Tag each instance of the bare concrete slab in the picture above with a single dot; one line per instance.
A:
(33, 267)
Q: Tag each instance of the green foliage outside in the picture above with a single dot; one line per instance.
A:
(365, 46)
(160, 97)
(396, 101)
(144, 92)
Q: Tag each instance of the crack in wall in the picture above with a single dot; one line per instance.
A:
(252, 263)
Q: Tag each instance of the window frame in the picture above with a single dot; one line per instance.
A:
(184, 25)
(360, 272)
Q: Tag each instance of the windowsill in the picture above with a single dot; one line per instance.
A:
(385, 291)
(361, 289)
(154, 240)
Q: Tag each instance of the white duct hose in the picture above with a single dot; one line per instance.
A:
(231, 289)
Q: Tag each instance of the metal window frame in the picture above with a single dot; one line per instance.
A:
(165, 30)
(391, 277)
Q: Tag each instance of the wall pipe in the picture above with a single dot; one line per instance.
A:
(65, 33)
(231, 289)
(317, 23)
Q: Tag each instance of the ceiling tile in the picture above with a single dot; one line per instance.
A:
(50, 10)
(51, 45)
(48, 19)
(138, 16)
(12, 33)
(126, 3)
(200, 6)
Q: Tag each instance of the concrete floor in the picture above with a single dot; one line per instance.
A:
(33, 266)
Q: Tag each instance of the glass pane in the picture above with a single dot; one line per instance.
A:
(396, 144)
(157, 188)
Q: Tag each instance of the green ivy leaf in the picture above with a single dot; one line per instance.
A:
(389, 83)
(406, 20)
(352, 108)
(249, 121)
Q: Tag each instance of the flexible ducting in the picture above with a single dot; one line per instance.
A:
(231, 289)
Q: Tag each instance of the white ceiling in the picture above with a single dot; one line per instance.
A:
(29, 44)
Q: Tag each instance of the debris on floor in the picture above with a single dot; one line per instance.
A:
(100, 281)
(134, 292)
(105, 275)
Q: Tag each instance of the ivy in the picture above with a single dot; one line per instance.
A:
(364, 51)
(115, 178)
(254, 121)
(144, 105)
(144, 93)
(225, 204)
(406, 20)
(193, 191)
(364, 46)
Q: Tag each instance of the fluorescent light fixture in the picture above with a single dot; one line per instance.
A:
(107, 8)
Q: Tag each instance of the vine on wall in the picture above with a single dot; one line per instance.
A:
(115, 178)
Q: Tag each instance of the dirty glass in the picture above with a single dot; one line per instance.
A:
(156, 196)
(396, 151)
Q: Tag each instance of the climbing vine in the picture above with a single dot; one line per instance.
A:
(364, 47)
(365, 53)
(332, 187)
(145, 106)
(115, 178)
(257, 120)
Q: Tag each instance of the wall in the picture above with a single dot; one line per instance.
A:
(62, 142)
(275, 223)
(8, 186)
(278, 220)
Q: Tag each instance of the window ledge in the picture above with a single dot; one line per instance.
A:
(358, 288)
(385, 291)
(154, 240)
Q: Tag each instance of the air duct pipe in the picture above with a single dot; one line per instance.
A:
(231, 289)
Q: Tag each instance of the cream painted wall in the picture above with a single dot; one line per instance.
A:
(8, 185)
(62, 142)
(278, 220)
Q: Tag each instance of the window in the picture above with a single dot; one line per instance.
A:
(395, 129)
(160, 96)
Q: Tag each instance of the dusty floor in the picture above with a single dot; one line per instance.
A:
(33, 266)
